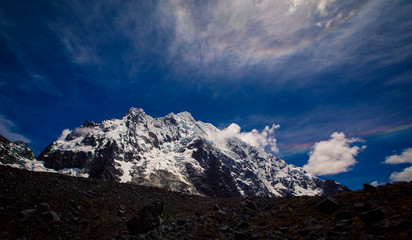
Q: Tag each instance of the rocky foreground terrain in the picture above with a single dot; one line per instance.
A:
(36, 205)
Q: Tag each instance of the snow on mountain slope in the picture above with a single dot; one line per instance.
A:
(19, 155)
(178, 153)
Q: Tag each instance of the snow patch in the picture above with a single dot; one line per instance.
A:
(126, 167)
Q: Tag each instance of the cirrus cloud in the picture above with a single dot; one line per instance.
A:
(333, 156)
(6, 127)
(249, 32)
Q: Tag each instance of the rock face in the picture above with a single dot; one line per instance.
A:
(18, 154)
(14, 152)
(331, 187)
(180, 154)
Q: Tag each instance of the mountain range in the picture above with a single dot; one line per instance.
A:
(174, 152)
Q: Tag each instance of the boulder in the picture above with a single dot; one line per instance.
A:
(341, 215)
(249, 204)
(4, 235)
(368, 188)
(327, 205)
(241, 236)
(221, 212)
(372, 216)
(149, 217)
(120, 213)
(310, 221)
(243, 225)
(26, 214)
(331, 187)
(306, 230)
(50, 217)
(44, 206)
(358, 206)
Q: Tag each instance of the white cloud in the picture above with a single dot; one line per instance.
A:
(64, 134)
(405, 175)
(333, 156)
(404, 157)
(83, 131)
(6, 127)
(264, 140)
(376, 183)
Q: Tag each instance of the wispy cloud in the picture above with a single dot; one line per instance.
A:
(295, 148)
(81, 36)
(79, 51)
(384, 130)
(245, 33)
(223, 37)
(6, 130)
(333, 156)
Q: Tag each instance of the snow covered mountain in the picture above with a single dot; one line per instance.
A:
(19, 155)
(180, 154)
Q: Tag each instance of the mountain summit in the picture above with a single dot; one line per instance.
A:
(178, 153)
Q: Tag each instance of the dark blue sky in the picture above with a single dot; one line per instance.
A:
(315, 68)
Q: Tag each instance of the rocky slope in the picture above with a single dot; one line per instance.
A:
(36, 205)
(180, 154)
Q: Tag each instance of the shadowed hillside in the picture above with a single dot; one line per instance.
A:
(53, 206)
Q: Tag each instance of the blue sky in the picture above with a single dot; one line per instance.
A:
(314, 67)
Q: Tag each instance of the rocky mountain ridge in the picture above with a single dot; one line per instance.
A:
(19, 155)
(178, 153)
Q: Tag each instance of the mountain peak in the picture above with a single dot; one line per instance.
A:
(177, 152)
(186, 115)
(135, 111)
(136, 115)
(3, 139)
(17, 154)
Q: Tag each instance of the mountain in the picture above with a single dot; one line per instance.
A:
(19, 155)
(180, 154)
